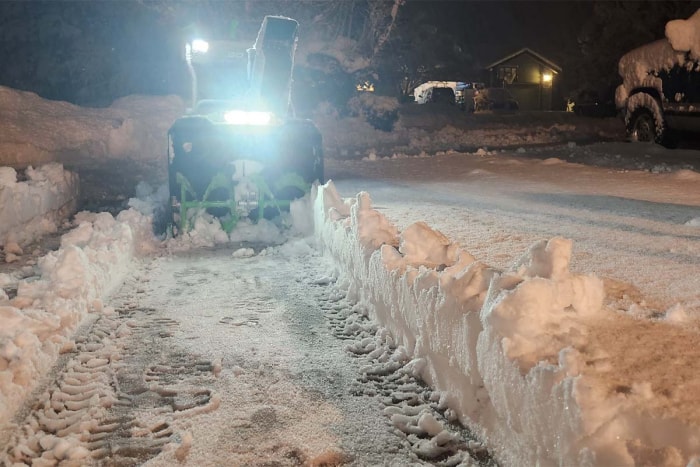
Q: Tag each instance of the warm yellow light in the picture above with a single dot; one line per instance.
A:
(547, 77)
(366, 87)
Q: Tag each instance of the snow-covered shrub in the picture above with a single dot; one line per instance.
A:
(380, 111)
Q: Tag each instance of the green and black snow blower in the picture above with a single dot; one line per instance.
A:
(240, 151)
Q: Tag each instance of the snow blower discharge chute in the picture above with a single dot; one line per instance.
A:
(240, 151)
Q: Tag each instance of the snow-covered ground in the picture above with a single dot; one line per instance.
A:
(547, 356)
(591, 367)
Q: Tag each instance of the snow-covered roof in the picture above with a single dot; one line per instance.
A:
(556, 68)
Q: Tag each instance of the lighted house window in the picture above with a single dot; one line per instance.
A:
(508, 74)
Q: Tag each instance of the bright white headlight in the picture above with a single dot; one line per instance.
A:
(241, 117)
(200, 46)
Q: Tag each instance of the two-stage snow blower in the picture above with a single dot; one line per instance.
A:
(240, 151)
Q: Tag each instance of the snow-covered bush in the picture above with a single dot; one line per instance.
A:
(380, 111)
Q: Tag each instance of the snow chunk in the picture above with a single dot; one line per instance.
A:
(32, 208)
(243, 253)
(548, 259)
(8, 176)
(421, 245)
(684, 34)
(677, 314)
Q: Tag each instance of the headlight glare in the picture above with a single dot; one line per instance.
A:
(241, 117)
(200, 46)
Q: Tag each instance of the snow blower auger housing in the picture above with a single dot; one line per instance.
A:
(240, 151)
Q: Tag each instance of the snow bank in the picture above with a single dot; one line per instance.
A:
(527, 357)
(71, 282)
(36, 206)
(92, 261)
(132, 128)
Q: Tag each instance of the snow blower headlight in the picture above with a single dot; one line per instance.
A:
(241, 117)
(200, 46)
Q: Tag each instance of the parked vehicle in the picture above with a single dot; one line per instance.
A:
(441, 96)
(494, 99)
(596, 104)
(660, 93)
(595, 109)
(454, 92)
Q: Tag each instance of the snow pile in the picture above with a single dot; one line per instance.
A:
(132, 128)
(527, 357)
(432, 130)
(71, 282)
(31, 208)
(65, 285)
(206, 230)
(684, 34)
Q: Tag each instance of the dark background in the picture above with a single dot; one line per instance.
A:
(91, 52)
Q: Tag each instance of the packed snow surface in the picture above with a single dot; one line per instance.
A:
(528, 356)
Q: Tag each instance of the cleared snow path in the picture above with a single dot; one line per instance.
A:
(208, 358)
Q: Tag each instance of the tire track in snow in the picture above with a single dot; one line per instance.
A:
(418, 413)
(114, 394)
(130, 389)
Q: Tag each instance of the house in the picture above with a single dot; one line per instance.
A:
(530, 78)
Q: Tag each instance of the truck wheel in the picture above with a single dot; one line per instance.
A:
(645, 127)
(642, 126)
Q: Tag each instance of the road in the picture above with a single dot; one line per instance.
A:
(207, 359)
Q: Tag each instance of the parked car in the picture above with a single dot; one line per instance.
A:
(494, 99)
(660, 93)
(589, 103)
(441, 96)
(595, 109)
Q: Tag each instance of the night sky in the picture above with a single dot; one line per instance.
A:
(90, 52)
(501, 27)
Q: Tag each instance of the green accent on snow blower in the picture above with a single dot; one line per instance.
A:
(266, 198)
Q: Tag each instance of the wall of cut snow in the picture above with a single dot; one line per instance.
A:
(37, 130)
(37, 324)
(36, 206)
(512, 350)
